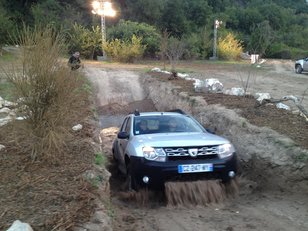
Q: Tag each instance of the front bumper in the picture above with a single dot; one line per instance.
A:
(160, 172)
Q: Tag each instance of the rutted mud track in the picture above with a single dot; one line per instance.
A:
(255, 208)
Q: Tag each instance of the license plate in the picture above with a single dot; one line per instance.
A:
(189, 168)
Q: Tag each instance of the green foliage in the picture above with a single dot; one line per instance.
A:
(174, 19)
(6, 26)
(100, 159)
(46, 13)
(261, 37)
(124, 30)
(96, 181)
(229, 48)
(6, 89)
(282, 51)
(125, 50)
(198, 45)
(147, 11)
(287, 22)
(87, 42)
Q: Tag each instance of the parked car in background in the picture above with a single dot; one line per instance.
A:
(154, 147)
(301, 65)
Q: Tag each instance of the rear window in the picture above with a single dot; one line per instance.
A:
(165, 124)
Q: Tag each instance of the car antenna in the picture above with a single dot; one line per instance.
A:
(137, 113)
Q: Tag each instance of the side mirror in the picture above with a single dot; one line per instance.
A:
(123, 135)
(210, 131)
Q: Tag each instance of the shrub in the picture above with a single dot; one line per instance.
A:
(125, 30)
(282, 51)
(87, 41)
(229, 48)
(125, 50)
(49, 93)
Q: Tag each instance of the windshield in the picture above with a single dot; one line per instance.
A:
(165, 124)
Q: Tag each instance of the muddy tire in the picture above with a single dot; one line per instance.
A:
(130, 179)
(298, 69)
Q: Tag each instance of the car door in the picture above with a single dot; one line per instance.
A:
(305, 65)
(122, 143)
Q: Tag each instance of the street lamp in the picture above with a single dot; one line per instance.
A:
(103, 8)
(216, 25)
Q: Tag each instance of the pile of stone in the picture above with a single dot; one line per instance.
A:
(8, 112)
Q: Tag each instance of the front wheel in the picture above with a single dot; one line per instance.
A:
(131, 181)
(298, 69)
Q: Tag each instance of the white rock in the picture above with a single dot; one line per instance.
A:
(5, 110)
(245, 56)
(9, 103)
(20, 226)
(208, 85)
(1, 102)
(235, 91)
(291, 97)
(282, 106)
(2, 147)
(262, 61)
(181, 75)
(166, 72)
(262, 96)
(5, 120)
(156, 69)
(77, 127)
(21, 118)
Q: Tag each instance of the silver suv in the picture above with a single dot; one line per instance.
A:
(301, 65)
(154, 147)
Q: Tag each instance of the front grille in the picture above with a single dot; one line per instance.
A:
(182, 153)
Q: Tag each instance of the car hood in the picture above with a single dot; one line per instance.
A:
(179, 139)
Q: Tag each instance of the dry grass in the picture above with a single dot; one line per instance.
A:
(51, 95)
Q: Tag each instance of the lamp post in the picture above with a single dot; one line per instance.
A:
(216, 25)
(103, 8)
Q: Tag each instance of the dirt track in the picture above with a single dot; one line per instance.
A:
(119, 91)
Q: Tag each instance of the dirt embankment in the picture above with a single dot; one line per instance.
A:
(258, 206)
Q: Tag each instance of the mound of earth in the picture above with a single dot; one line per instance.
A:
(284, 122)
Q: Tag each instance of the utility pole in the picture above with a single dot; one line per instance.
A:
(216, 25)
(103, 8)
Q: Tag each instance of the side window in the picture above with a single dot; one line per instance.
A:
(128, 125)
(123, 127)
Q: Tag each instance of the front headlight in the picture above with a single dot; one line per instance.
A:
(154, 154)
(225, 150)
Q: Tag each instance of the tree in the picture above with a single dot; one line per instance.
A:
(229, 48)
(147, 11)
(174, 19)
(174, 52)
(87, 41)
(47, 13)
(6, 26)
(261, 37)
(164, 46)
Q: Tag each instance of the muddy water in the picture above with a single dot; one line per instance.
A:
(200, 192)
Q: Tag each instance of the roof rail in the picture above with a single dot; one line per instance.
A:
(180, 111)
